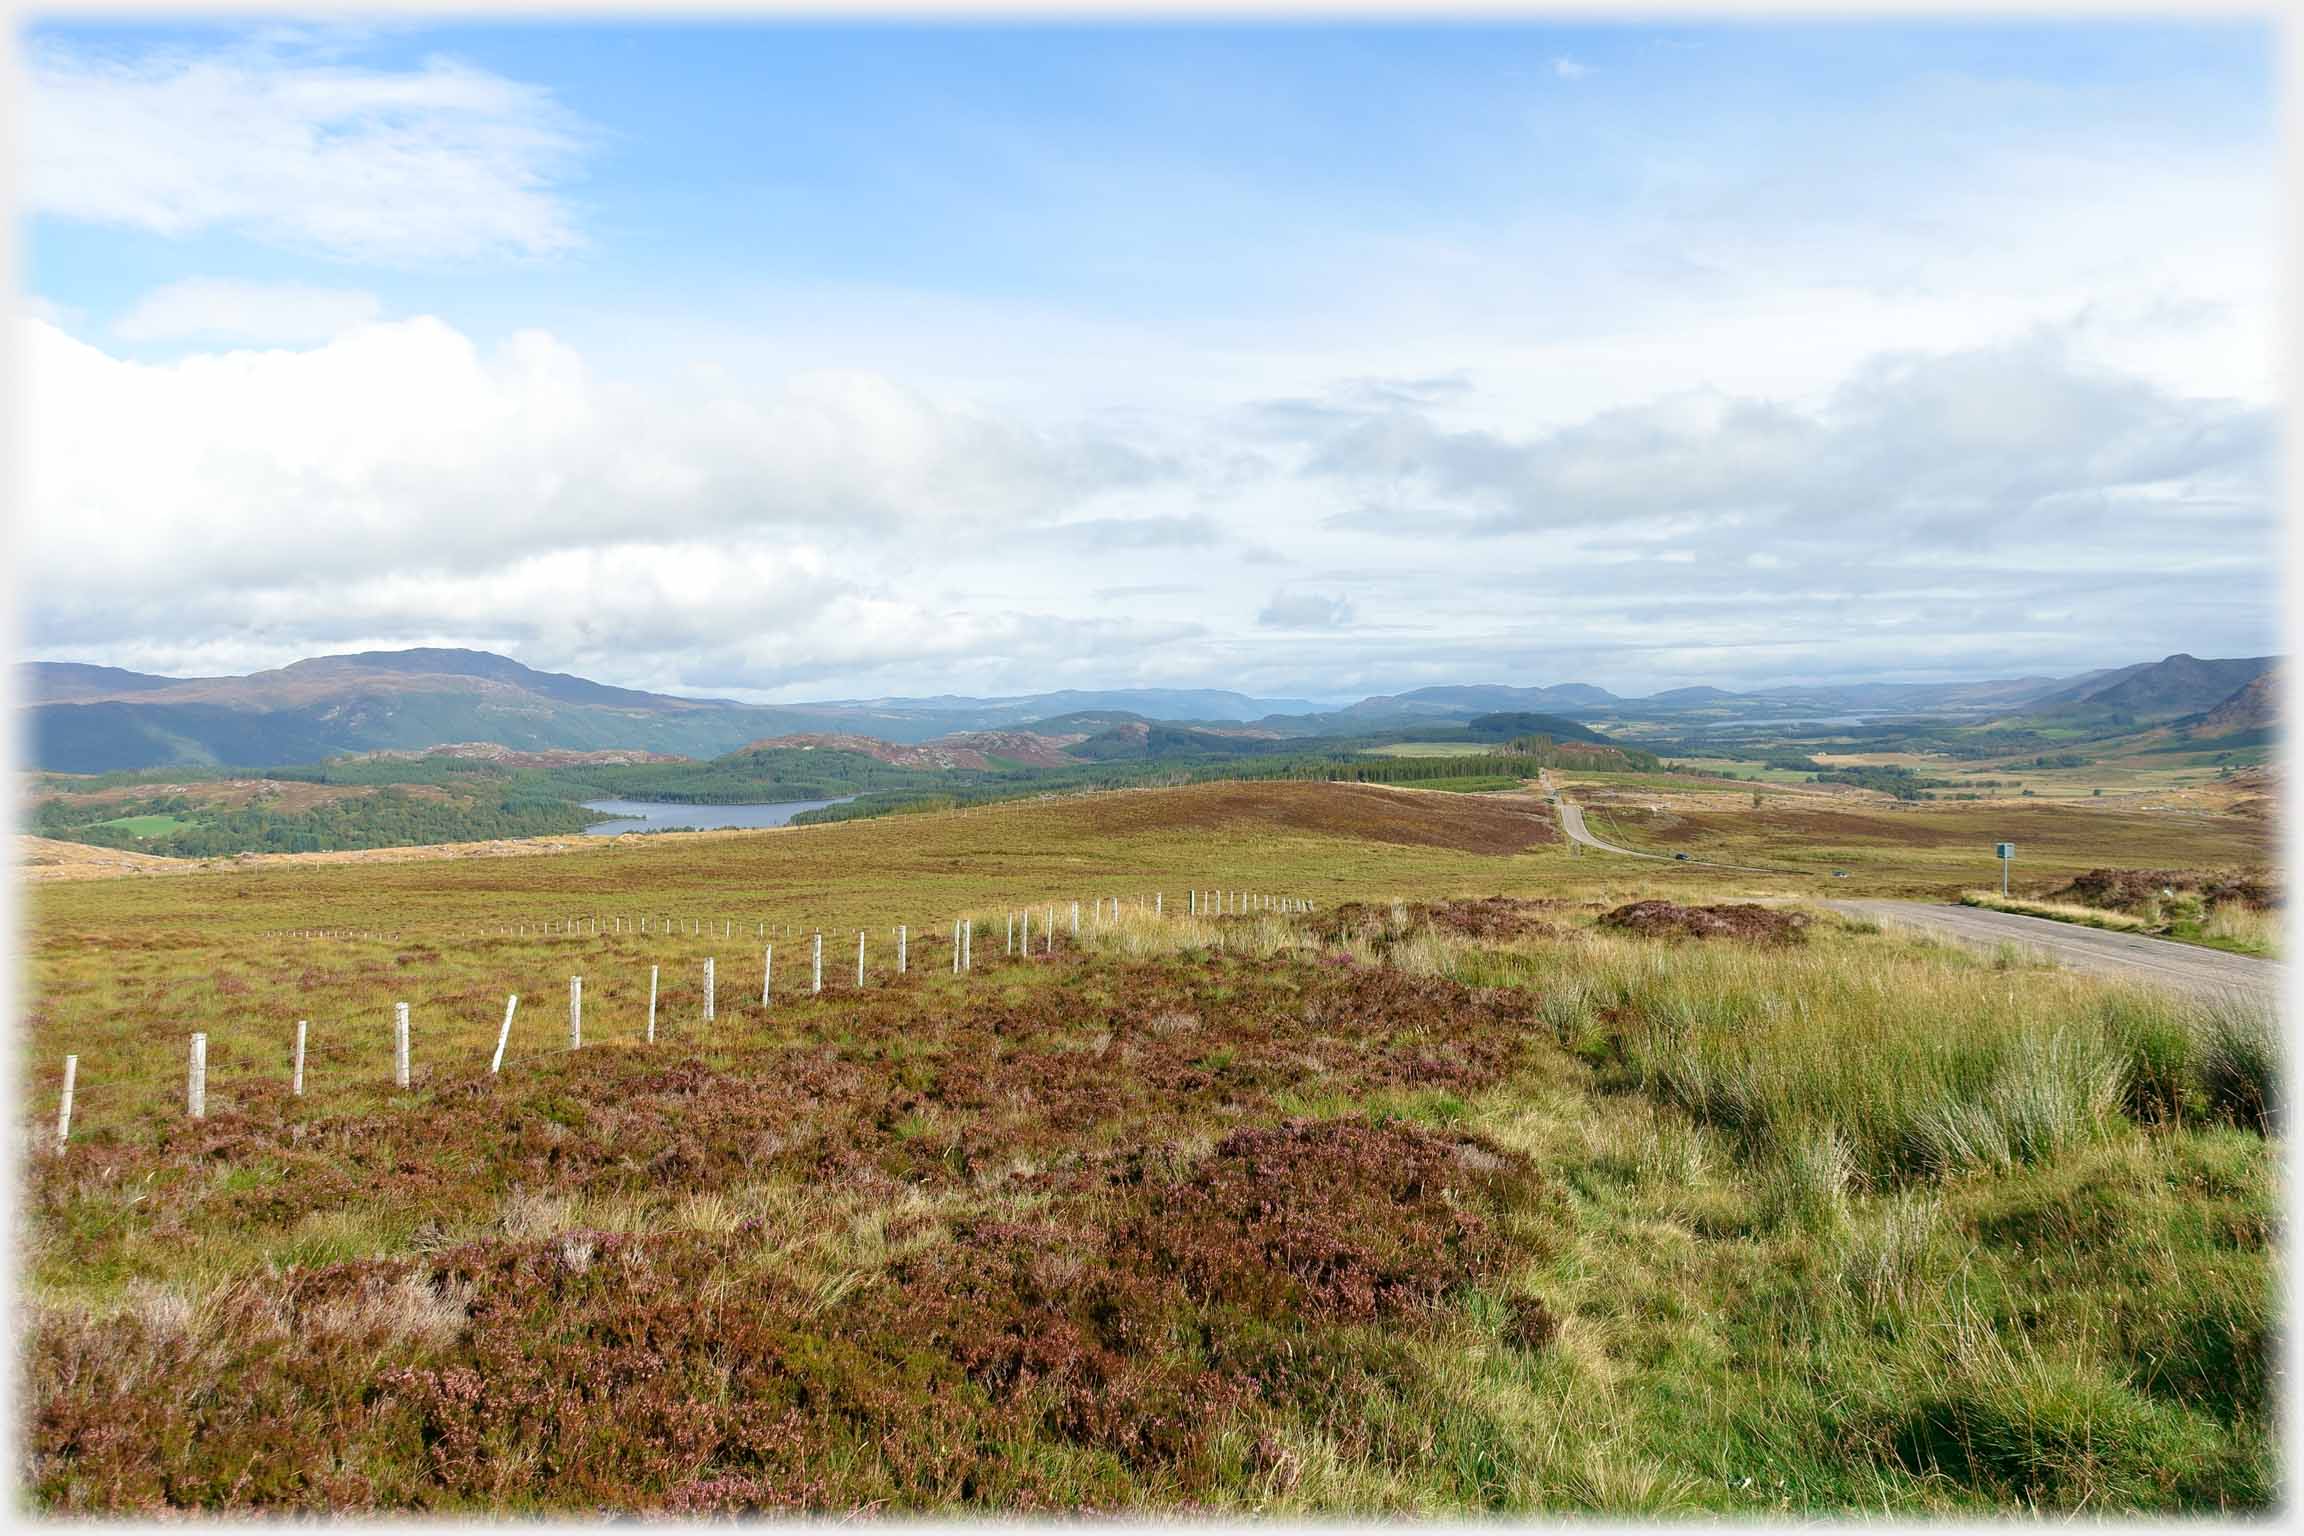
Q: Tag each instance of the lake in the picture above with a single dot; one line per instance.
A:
(698, 818)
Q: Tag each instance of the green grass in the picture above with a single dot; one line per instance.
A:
(147, 826)
(1580, 1221)
(1753, 773)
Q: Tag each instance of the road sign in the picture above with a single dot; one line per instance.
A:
(2003, 850)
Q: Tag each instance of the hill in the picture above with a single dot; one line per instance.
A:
(2173, 686)
(89, 719)
(1510, 723)
(974, 750)
(1463, 702)
(1133, 739)
(2252, 710)
(75, 682)
(92, 719)
(377, 700)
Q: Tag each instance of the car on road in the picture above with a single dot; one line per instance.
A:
(1679, 855)
(1839, 874)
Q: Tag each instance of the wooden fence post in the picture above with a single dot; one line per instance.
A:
(901, 960)
(400, 1044)
(708, 990)
(652, 1005)
(859, 957)
(816, 973)
(504, 1035)
(296, 1077)
(64, 1102)
(767, 974)
(575, 1013)
(967, 944)
(196, 1079)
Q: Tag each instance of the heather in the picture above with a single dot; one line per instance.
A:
(1467, 1201)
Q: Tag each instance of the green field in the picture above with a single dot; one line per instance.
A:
(147, 826)
(1757, 773)
(1419, 1203)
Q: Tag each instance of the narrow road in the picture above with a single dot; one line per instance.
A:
(2127, 956)
(1572, 823)
(2207, 973)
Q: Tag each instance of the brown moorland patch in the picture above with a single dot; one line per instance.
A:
(1739, 920)
(1372, 813)
(1348, 1219)
(889, 1092)
(2127, 889)
(1103, 1296)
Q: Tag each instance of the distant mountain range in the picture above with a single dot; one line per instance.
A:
(84, 718)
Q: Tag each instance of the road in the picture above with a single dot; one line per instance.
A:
(2127, 956)
(1572, 823)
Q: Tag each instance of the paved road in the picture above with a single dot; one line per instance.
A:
(2184, 967)
(1572, 823)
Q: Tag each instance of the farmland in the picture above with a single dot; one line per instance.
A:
(1442, 1197)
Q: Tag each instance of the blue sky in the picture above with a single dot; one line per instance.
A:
(789, 360)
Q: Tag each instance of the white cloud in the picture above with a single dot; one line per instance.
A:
(406, 443)
(1982, 446)
(440, 162)
(1570, 69)
(1305, 610)
(399, 484)
(219, 309)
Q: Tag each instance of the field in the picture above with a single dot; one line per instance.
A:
(145, 826)
(1432, 749)
(1755, 773)
(2118, 771)
(1443, 1197)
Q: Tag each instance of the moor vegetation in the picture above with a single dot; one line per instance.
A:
(1443, 1205)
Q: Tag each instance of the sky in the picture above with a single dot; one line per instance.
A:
(784, 361)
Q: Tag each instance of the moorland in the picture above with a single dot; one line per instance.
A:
(1498, 1177)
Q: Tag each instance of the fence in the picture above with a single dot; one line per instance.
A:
(1101, 911)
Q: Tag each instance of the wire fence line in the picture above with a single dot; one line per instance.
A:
(1066, 919)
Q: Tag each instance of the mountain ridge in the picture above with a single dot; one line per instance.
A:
(83, 717)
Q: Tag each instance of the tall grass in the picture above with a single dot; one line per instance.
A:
(1907, 1060)
(2059, 911)
(2243, 929)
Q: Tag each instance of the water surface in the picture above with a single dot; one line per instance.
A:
(698, 818)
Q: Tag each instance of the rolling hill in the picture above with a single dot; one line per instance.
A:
(89, 719)
(83, 718)
(2159, 690)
